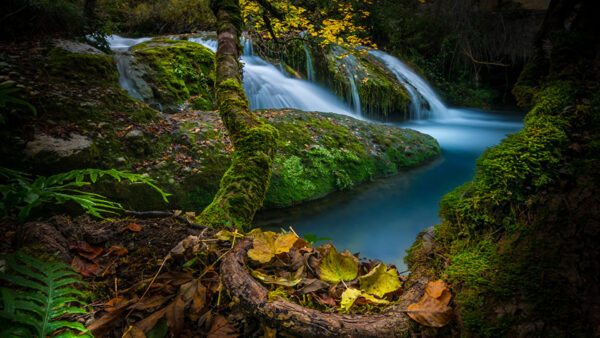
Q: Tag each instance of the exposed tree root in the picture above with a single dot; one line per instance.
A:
(293, 318)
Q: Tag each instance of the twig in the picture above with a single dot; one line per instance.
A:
(487, 63)
(149, 285)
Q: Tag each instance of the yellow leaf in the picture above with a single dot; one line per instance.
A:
(274, 279)
(268, 244)
(336, 267)
(351, 295)
(379, 281)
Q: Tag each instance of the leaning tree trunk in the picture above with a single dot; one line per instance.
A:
(244, 185)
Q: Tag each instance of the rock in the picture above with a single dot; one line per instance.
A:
(60, 147)
(77, 47)
(134, 134)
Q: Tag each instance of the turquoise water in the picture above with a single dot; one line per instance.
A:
(381, 219)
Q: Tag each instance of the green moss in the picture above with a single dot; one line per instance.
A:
(178, 70)
(321, 153)
(498, 232)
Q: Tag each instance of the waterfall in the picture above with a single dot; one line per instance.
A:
(425, 103)
(121, 47)
(310, 72)
(266, 86)
(354, 96)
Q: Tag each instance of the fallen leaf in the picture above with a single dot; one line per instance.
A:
(149, 322)
(221, 327)
(86, 250)
(198, 299)
(268, 244)
(325, 300)
(114, 301)
(133, 332)
(84, 268)
(351, 295)
(101, 326)
(133, 227)
(432, 310)
(225, 235)
(175, 315)
(117, 250)
(380, 281)
(274, 279)
(312, 285)
(336, 267)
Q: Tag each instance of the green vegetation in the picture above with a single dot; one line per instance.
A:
(44, 295)
(20, 194)
(321, 153)
(177, 70)
(499, 230)
(142, 18)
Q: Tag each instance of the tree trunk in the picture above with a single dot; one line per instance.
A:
(244, 185)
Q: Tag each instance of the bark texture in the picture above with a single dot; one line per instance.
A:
(294, 319)
(244, 185)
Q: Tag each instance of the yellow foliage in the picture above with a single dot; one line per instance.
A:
(330, 25)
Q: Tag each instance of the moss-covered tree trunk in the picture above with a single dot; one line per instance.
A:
(244, 185)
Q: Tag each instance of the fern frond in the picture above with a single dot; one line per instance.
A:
(44, 295)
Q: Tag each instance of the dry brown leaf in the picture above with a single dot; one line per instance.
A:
(85, 268)
(133, 227)
(152, 302)
(149, 322)
(221, 327)
(117, 250)
(175, 315)
(199, 299)
(86, 250)
(325, 300)
(114, 301)
(133, 332)
(433, 310)
(101, 326)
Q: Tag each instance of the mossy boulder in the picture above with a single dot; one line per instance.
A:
(175, 71)
(78, 102)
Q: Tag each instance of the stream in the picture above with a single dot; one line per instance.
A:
(380, 219)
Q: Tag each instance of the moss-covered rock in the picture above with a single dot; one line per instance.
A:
(176, 70)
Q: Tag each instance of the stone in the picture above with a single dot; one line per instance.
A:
(77, 47)
(134, 134)
(61, 147)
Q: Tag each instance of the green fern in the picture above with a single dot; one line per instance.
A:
(44, 296)
(22, 193)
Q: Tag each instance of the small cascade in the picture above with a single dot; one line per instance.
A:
(355, 97)
(310, 71)
(121, 47)
(266, 86)
(425, 103)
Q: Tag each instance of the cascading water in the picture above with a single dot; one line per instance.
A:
(121, 46)
(417, 88)
(348, 62)
(268, 87)
(310, 71)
